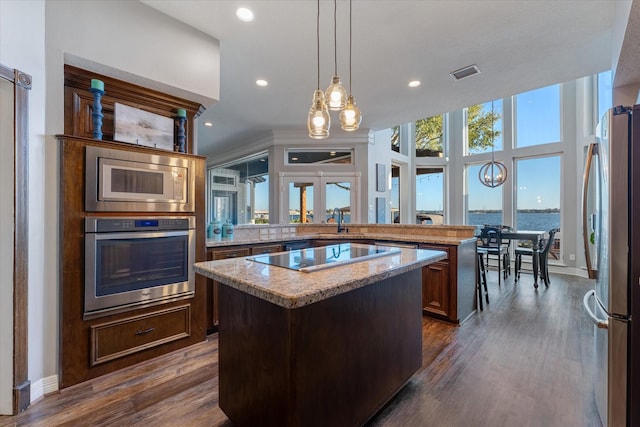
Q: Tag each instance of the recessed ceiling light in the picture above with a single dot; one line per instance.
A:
(294, 158)
(208, 124)
(261, 82)
(332, 153)
(244, 14)
(414, 83)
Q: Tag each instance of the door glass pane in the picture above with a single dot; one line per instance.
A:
(300, 202)
(429, 195)
(484, 204)
(538, 196)
(338, 200)
(538, 116)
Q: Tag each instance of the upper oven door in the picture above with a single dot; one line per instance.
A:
(122, 181)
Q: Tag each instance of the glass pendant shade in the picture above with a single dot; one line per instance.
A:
(336, 95)
(318, 121)
(350, 117)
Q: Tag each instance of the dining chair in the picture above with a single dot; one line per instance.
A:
(544, 257)
(481, 278)
(541, 251)
(491, 245)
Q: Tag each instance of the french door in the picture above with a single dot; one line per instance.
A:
(319, 199)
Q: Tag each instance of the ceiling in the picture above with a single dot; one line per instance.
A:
(518, 45)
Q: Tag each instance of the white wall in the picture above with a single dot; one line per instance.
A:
(122, 39)
(22, 34)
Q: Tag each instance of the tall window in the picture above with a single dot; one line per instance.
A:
(429, 195)
(395, 194)
(538, 195)
(605, 92)
(395, 139)
(484, 127)
(538, 116)
(239, 191)
(429, 136)
(484, 204)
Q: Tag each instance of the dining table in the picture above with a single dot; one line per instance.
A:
(536, 238)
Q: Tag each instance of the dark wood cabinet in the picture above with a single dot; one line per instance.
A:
(213, 287)
(435, 288)
(266, 249)
(448, 286)
(115, 339)
(91, 346)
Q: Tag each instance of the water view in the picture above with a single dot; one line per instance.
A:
(526, 220)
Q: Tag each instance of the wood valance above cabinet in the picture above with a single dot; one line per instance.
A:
(78, 104)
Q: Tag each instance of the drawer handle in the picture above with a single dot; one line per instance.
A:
(145, 332)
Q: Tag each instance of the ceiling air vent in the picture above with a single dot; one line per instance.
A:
(465, 72)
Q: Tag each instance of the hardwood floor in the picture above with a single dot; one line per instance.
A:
(523, 361)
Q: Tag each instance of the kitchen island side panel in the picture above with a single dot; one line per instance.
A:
(334, 362)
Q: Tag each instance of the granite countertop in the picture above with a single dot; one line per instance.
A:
(292, 289)
(442, 240)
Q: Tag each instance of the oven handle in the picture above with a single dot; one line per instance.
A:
(139, 234)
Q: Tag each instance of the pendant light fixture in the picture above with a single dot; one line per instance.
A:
(492, 174)
(318, 120)
(350, 116)
(336, 95)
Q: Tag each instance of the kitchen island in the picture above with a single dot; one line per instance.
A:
(319, 347)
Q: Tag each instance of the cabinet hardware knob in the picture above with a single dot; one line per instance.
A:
(145, 332)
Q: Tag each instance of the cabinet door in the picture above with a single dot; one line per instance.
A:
(212, 285)
(435, 288)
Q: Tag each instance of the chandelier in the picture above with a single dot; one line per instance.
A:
(493, 174)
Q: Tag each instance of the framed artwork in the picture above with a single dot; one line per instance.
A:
(141, 127)
(381, 210)
(380, 177)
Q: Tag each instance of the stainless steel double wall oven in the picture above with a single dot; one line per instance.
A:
(139, 229)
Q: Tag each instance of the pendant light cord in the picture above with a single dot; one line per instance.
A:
(493, 124)
(335, 37)
(350, 43)
(318, 41)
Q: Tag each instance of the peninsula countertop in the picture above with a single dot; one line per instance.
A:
(292, 289)
(414, 234)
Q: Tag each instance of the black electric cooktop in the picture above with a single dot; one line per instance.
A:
(312, 259)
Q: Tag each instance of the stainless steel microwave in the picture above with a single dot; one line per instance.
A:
(125, 181)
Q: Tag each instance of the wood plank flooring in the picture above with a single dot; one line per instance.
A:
(523, 361)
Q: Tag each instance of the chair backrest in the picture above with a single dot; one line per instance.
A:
(491, 236)
(550, 241)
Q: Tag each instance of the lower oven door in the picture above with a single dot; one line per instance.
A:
(127, 269)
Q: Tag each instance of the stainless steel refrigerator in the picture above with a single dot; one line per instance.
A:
(611, 233)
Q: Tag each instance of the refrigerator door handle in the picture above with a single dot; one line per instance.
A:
(600, 323)
(591, 152)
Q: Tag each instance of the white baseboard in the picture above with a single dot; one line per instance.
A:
(43, 386)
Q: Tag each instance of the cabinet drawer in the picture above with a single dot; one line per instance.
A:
(231, 253)
(113, 340)
(258, 250)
